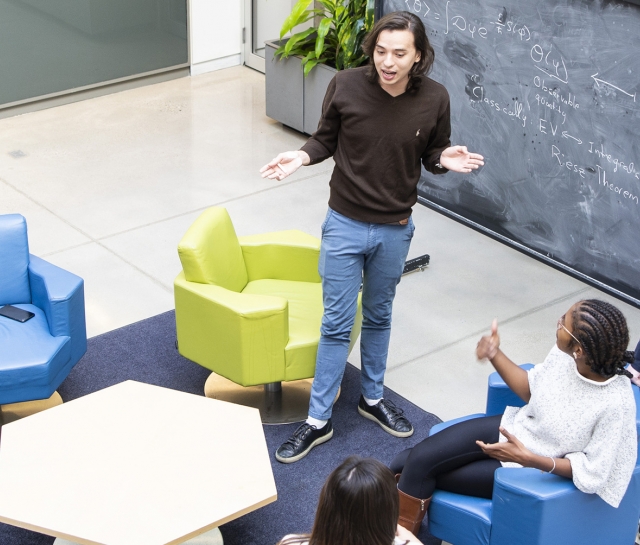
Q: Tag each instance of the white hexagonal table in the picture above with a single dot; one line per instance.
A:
(134, 464)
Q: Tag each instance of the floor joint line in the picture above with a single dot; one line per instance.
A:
(486, 329)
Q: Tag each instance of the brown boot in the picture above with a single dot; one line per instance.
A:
(412, 511)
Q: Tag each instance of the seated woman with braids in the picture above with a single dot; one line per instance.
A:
(579, 421)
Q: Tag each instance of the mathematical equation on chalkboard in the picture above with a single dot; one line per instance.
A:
(549, 92)
(552, 80)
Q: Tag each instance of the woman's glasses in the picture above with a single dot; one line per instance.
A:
(561, 325)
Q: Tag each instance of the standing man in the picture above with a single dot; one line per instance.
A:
(380, 122)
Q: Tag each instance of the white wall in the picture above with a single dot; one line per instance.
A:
(216, 34)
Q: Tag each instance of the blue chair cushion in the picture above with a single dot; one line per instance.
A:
(460, 519)
(499, 395)
(31, 359)
(14, 255)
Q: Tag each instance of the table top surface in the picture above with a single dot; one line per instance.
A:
(134, 464)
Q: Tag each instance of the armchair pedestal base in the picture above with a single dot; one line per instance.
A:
(278, 402)
(15, 411)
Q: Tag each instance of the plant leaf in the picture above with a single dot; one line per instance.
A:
(296, 17)
(309, 66)
(293, 40)
(329, 6)
(351, 42)
(323, 28)
(369, 14)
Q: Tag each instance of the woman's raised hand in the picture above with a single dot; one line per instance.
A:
(489, 344)
(459, 159)
(284, 164)
(511, 451)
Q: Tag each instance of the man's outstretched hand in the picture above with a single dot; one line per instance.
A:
(284, 164)
(459, 159)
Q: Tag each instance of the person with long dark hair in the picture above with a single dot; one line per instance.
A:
(380, 123)
(358, 505)
(579, 420)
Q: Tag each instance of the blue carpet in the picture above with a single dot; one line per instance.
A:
(145, 351)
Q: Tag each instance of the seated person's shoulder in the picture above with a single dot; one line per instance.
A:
(294, 539)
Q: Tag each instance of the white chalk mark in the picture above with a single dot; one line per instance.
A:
(551, 75)
(599, 81)
(446, 13)
(565, 134)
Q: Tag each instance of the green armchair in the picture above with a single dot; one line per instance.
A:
(249, 308)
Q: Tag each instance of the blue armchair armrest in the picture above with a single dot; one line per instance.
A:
(535, 508)
(442, 425)
(60, 294)
(500, 396)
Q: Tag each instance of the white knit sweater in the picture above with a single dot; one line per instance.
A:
(593, 424)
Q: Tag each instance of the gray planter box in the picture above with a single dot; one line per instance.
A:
(292, 99)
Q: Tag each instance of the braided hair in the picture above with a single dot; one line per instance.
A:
(604, 336)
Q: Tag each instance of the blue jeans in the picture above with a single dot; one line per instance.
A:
(355, 252)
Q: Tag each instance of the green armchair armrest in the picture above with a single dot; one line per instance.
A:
(284, 255)
(209, 316)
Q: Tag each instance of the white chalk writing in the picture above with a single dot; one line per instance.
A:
(515, 29)
(553, 66)
(628, 168)
(515, 112)
(543, 125)
(569, 165)
(417, 5)
(571, 101)
(602, 82)
(552, 105)
(459, 22)
(602, 180)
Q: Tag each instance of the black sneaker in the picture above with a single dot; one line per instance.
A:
(302, 441)
(388, 416)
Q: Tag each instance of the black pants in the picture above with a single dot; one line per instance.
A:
(450, 460)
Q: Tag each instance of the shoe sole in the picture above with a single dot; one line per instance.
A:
(317, 442)
(385, 428)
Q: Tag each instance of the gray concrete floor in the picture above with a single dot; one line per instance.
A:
(109, 186)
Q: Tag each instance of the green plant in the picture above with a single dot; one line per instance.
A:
(336, 40)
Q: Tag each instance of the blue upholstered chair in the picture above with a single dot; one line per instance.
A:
(530, 507)
(37, 355)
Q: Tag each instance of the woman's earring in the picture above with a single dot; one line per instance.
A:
(575, 356)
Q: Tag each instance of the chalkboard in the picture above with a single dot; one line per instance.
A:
(549, 92)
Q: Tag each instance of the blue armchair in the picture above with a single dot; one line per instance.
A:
(37, 355)
(530, 507)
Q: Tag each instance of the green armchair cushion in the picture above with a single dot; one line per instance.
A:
(305, 315)
(210, 252)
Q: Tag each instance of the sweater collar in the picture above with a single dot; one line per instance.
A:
(594, 382)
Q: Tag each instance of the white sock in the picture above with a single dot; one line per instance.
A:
(319, 424)
(372, 402)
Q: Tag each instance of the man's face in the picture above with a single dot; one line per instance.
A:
(394, 56)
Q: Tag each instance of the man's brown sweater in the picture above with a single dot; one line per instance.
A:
(378, 142)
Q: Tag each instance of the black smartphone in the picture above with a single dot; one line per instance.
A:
(16, 313)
